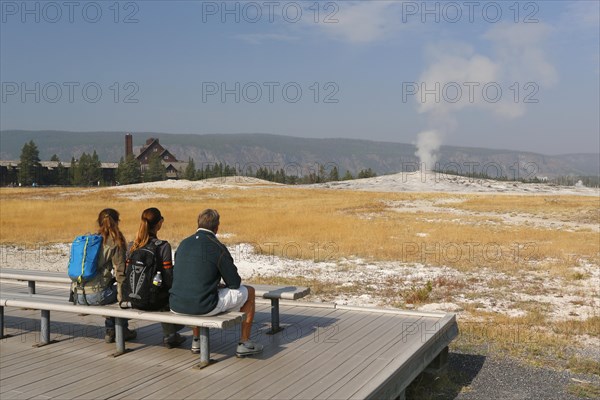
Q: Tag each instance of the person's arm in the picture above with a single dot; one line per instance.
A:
(118, 260)
(228, 269)
(165, 258)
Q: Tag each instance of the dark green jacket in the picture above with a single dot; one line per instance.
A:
(201, 261)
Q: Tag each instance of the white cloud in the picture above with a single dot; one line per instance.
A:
(519, 51)
(356, 22)
(362, 21)
(516, 62)
(453, 68)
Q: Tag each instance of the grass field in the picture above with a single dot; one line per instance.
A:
(331, 224)
(523, 251)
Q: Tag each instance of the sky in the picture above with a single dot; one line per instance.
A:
(505, 74)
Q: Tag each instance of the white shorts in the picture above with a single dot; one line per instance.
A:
(230, 300)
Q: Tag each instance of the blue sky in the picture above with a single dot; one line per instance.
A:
(377, 70)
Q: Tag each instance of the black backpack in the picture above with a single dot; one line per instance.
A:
(138, 288)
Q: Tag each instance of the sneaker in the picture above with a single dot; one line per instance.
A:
(248, 348)
(109, 336)
(195, 346)
(129, 335)
(173, 340)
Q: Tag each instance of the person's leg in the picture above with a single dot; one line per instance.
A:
(169, 329)
(246, 347)
(248, 308)
(195, 340)
(109, 296)
(109, 330)
(170, 336)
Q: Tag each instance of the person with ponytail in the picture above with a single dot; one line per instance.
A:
(152, 221)
(101, 289)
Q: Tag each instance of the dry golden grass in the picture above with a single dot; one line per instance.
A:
(564, 208)
(320, 224)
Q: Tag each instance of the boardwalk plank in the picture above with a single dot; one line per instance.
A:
(250, 370)
(220, 344)
(220, 374)
(390, 359)
(320, 375)
(291, 365)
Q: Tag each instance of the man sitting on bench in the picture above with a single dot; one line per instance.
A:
(202, 261)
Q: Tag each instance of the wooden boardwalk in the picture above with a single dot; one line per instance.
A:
(324, 352)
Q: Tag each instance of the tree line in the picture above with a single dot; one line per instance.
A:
(562, 180)
(87, 171)
(215, 170)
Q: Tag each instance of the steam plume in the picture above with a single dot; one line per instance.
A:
(428, 143)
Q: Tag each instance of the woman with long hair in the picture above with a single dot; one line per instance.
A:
(101, 289)
(151, 222)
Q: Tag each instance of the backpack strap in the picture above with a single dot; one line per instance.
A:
(75, 296)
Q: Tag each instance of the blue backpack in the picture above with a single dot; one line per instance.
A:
(83, 262)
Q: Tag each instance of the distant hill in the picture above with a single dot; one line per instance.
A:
(254, 149)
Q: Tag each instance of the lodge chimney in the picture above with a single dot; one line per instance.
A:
(128, 144)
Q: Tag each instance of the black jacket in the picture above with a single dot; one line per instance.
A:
(201, 261)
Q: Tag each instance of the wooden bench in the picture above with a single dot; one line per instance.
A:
(273, 293)
(47, 303)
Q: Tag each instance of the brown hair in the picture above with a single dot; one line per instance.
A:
(108, 226)
(208, 219)
(150, 219)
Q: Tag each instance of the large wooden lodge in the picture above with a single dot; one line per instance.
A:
(174, 168)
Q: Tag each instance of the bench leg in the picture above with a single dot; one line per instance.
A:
(2, 334)
(119, 337)
(44, 329)
(204, 348)
(274, 318)
(31, 286)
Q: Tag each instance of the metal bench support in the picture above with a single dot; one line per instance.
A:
(119, 337)
(205, 360)
(31, 286)
(2, 322)
(274, 318)
(44, 329)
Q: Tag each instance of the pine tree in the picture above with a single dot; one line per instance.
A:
(29, 167)
(95, 170)
(347, 176)
(190, 170)
(72, 171)
(77, 170)
(88, 170)
(128, 171)
(62, 175)
(366, 173)
(334, 175)
(155, 170)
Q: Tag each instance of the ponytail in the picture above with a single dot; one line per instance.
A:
(150, 219)
(108, 226)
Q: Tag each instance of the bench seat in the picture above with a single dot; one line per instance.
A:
(271, 292)
(47, 303)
